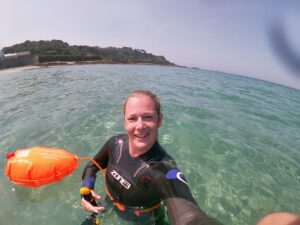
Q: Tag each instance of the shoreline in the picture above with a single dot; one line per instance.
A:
(63, 63)
(19, 69)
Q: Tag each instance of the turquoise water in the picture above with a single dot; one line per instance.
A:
(236, 139)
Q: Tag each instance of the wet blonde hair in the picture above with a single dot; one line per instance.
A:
(145, 93)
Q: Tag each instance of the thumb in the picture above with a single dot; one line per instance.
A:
(95, 196)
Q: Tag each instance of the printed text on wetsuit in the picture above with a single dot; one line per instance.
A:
(122, 181)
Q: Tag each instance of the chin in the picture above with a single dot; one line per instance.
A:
(143, 146)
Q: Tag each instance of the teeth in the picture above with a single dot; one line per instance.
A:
(141, 136)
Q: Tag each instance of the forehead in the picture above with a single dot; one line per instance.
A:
(139, 104)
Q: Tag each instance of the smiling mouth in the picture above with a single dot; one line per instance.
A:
(141, 135)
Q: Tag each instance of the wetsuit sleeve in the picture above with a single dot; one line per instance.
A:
(90, 171)
(182, 208)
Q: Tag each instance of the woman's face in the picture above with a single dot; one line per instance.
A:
(141, 123)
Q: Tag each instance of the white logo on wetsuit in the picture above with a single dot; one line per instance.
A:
(122, 181)
(176, 174)
(179, 175)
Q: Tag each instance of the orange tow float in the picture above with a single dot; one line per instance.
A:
(37, 166)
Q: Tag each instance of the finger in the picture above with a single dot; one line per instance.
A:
(97, 197)
(88, 207)
(94, 209)
(99, 208)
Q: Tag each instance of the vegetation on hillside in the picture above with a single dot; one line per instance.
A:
(57, 50)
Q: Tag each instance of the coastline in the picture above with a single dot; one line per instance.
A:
(19, 69)
(64, 63)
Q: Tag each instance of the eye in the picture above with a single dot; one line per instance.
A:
(148, 117)
(131, 119)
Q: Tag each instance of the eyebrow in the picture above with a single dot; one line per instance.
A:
(144, 113)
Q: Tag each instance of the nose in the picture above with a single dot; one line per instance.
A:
(140, 123)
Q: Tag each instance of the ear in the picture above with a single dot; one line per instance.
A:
(160, 118)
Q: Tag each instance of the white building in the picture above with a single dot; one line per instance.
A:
(16, 55)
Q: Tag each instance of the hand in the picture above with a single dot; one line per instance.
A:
(87, 206)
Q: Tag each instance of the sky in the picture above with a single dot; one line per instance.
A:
(231, 36)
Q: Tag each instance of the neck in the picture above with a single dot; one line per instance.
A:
(133, 152)
(136, 153)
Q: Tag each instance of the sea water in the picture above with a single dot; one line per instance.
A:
(236, 139)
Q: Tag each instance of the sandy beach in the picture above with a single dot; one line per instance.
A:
(18, 69)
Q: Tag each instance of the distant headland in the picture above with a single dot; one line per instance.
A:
(57, 52)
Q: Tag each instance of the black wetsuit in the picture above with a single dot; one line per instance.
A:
(146, 180)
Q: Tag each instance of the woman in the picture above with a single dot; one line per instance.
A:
(139, 173)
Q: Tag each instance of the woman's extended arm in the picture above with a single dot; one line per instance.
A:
(182, 209)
